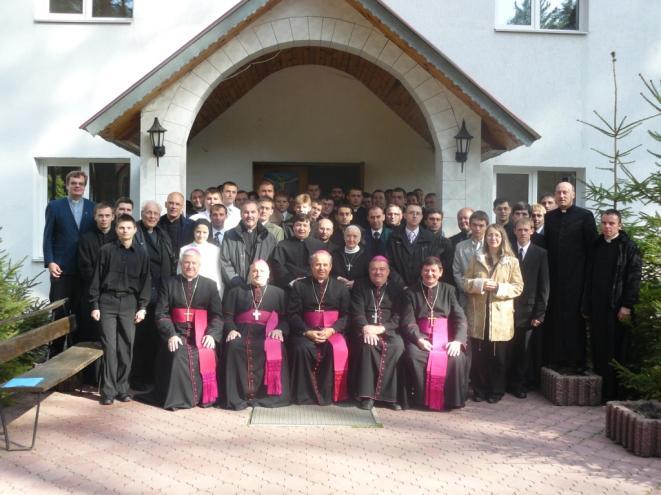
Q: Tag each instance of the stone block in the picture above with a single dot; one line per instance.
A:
(639, 435)
(571, 390)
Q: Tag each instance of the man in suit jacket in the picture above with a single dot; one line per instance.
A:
(529, 307)
(67, 219)
(376, 238)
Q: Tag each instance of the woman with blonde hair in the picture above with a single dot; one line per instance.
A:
(492, 281)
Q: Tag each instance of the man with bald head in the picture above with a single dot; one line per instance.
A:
(569, 231)
(324, 232)
(177, 226)
(318, 312)
(463, 223)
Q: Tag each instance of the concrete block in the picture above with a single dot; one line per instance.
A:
(299, 28)
(266, 35)
(282, 30)
(571, 390)
(639, 435)
(359, 37)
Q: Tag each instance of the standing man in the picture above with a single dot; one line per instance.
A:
(123, 206)
(67, 219)
(569, 232)
(228, 192)
(324, 233)
(359, 213)
(196, 200)
(376, 239)
(612, 288)
(265, 216)
(266, 190)
(119, 294)
(529, 311)
(282, 205)
(379, 199)
(398, 197)
(314, 191)
(291, 258)
(465, 250)
(548, 201)
(337, 194)
(434, 221)
(174, 223)
(463, 223)
(537, 216)
(243, 245)
(393, 216)
(502, 211)
(318, 313)
(430, 200)
(343, 218)
(212, 197)
(218, 216)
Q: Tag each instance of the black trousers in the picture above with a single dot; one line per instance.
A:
(489, 367)
(145, 350)
(520, 357)
(117, 335)
(64, 286)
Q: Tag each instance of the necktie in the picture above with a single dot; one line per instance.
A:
(376, 235)
(520, 254)
(411, 236)
(216, 237)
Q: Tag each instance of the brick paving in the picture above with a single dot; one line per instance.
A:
(516, 446)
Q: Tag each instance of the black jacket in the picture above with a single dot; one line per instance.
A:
(88, 252)
(405, 258)
(531, 304)
(162, 258)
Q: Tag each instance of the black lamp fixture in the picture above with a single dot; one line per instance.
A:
(157, 136)
(463, 145)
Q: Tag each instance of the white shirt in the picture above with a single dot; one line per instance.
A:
(519, 247)
(209, 261)
(233, 217)
(201, 215)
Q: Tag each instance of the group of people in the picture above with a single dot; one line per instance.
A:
(240, 299)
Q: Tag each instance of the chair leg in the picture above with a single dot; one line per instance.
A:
(5, 429)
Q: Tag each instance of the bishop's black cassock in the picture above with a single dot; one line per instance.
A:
(316, 378)
(245, 364)
(378, 374)
(416, 309)
(178, 379)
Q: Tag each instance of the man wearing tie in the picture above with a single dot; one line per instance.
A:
(376, 239)
(465, 250)
(218, 216)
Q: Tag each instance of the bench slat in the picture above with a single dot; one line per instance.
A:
(61, 367)
(20, 344)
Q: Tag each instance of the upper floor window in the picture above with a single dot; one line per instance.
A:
(84, 10)
(542, 15)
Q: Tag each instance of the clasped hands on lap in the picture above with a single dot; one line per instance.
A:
(319, 336)
(453, 348)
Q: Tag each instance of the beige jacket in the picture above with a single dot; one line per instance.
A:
(501, 303)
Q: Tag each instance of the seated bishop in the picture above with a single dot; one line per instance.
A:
(255, 366)
(189, 320)
(434, 328)
(318, 311)
(375, 311)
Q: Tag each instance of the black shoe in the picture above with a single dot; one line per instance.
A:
(477, 397)
(124, 398)
(492, 399)
(366, 404)
(394, 406)
(106, 401)
(520, 394)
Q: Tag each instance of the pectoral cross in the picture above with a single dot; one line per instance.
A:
(375, 318)
(431, 318)
(349, 265)
(189, 315)
(256, 314)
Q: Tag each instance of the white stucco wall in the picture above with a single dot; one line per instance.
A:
(310, 114)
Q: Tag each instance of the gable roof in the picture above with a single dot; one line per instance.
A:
(119, 121)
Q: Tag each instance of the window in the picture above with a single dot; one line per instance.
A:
(84, 10)
(523, 184)
(563, 16)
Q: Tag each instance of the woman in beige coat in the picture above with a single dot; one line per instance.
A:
(492, 281)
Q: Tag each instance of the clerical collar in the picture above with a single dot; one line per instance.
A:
(321, 282)
(608, 241)
(430, 286)
(189, 280)
(352, 250)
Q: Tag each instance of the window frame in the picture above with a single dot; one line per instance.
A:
(42, 13)
(534, 27)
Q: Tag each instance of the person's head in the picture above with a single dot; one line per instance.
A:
(463, 219)
(265, 209)
(502, 209)
(478, 224)
(190, 263)
(241, 197)
(314, 190)
(523, 229)
(431, 271)
(228, 192)
(302, 204)
(344, 215)
(103, 216)
(398, 197)
(379, 270)
(75, 183)
(367, 200)
(375, 217)
(434, 219)
(212, 196)
(259, 273)
(337, 194)
(201, 230)
(355, 197)
(496, 242)
(266, 189)
(218, 215)
(253, 196)
(379, 199)
(611, 223)
(430, 200)
(249, 214)
(420, 194)
(548, 201)
(315, 210)
(412, 199)
(123, 206)
(352, 236)
(413, 216)
(324, 229)
(320, 265)
(537, 215)
(393, 215)
(197, 199)
(150, 214)
(520, 210)
(564, 195)
(301, 226)
(327, 207)
(282, 202)
(174, 205)
(125, 228)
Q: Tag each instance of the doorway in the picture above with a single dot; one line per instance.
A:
(293, 178)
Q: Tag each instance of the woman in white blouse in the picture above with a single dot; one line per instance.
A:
(209, 253)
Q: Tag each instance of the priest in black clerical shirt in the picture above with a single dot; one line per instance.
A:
(291, 258)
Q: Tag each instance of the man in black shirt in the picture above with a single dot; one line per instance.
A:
(119, 294)
(178, 227)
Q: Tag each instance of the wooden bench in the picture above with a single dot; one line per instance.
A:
(44, 376)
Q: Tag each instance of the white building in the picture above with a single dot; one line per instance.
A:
(373, 91)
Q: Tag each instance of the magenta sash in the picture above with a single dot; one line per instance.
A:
(207, 357)
(272, 347)
(437, 363)
(324, 319)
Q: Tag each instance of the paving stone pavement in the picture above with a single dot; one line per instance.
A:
(515, 446)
